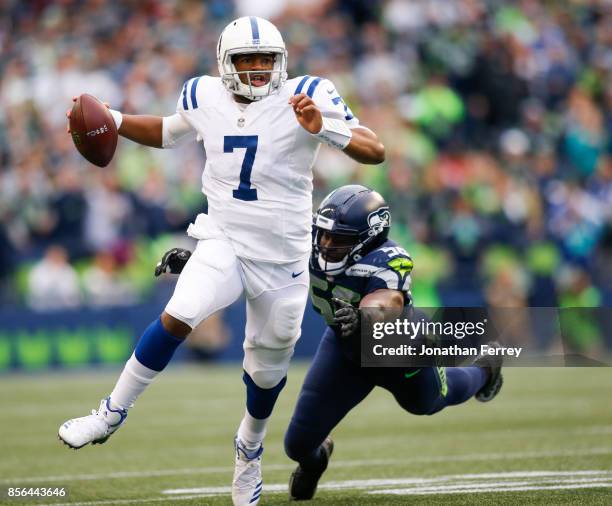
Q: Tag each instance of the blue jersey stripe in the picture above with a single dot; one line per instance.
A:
(298, 90)
(313, 86)
(254, 29)
(194, 100)
(185, 95)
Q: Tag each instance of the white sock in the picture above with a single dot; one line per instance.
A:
(252, 431)
(134, 379)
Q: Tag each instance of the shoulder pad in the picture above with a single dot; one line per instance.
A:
(196, 90)
(390, 255)
(390, 264)
(307, 84)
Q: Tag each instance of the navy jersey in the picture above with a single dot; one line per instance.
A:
(388, 266)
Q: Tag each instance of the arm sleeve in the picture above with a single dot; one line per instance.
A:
(175, 128)
(332, 105)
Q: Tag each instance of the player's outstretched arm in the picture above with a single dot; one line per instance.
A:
(154, 131)
(383, 304)
(383, 298)
(386, 301)
(381, 301)
(143, 129)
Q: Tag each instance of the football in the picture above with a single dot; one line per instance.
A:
(93, 130)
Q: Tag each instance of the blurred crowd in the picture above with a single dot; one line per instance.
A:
(496, 116)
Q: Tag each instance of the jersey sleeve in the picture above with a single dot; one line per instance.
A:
(191, 95)
(175, 130)
(190, 98)
(330, 102)
(391, 270)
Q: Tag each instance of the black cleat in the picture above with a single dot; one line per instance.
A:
(303, 483)
(493, 365)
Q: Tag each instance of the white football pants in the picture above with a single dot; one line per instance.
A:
(214, 277)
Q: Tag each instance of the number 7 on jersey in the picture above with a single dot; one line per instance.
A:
(231, 142)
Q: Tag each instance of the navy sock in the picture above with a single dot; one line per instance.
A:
(463, 383)
(260, 401)
(156, 346)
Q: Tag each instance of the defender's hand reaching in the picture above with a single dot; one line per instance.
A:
(347, 316)
(173, 261)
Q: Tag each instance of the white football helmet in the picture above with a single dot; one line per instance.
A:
(245, 35)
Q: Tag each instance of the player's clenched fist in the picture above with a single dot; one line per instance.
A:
(307, 113)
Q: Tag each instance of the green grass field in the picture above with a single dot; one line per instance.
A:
(547, 439)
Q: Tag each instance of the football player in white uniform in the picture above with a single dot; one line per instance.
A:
(261, 132)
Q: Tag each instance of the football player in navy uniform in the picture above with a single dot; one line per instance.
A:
(355, 265)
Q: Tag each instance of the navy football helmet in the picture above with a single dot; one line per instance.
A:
(350, 222)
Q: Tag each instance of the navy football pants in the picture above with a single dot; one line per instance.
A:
(335, 384)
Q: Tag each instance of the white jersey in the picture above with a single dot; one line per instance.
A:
(258, 173)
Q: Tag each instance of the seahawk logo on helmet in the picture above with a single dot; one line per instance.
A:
(378, 220)
(357, 219)
(249, 35)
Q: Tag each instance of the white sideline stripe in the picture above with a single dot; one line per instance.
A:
(359, 484)
(500, 485)
(485, 490)
(564, 484)
(285, 467)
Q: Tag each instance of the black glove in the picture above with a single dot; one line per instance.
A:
(347, 317)
(173, 261)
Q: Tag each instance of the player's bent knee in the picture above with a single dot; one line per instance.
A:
(420, 408)
(174, 326)
(287, 318)
(183, 309)
(267, 367)
(293, 450)
(267, 378)
(188, 309)
(300, 444)
(178, 313)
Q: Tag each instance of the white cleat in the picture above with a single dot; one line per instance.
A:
(247, 484)
(95, 428)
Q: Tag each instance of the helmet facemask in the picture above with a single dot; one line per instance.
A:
(276, 76)
(333, 258)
